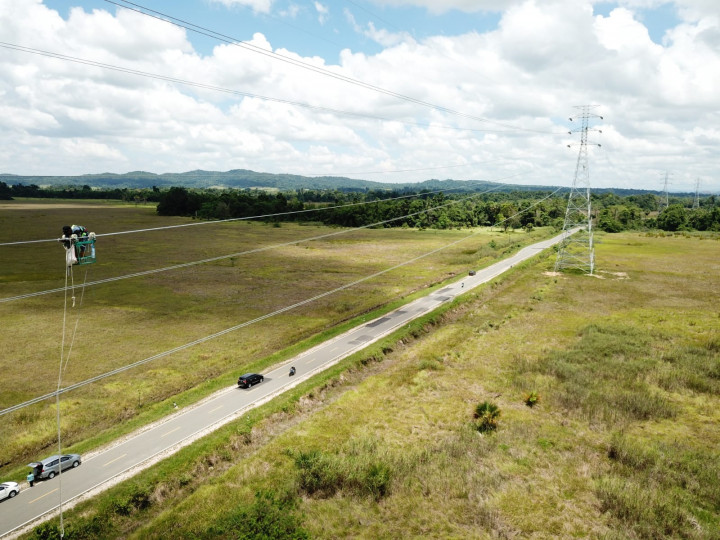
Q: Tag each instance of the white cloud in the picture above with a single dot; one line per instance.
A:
(322, 11)
(384, 37)
(259, 6)
(691, 10)
(291, 11)
(351, 20)
(442, 6)
(660, 102)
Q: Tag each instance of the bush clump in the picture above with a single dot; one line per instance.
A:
(532, 399)
(359, 470)
(486, 416)
(270, 516)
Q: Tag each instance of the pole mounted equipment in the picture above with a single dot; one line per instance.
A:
(576, 249)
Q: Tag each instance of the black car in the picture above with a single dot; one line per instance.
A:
(249, 379)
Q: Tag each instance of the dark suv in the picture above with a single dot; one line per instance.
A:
(249, 379)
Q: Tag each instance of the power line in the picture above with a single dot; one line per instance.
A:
(241, 253)
(304, 65)
(249, 252)
(522, 211)
(241, 325)
(376, 16)
(261, 216)
(217, 334)
(205, 86)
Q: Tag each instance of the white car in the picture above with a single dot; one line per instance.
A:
(8, 490)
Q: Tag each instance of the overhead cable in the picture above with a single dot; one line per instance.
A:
(305, 65)
(241, 325)
(205, 86)
(241, 253)
(261, 216)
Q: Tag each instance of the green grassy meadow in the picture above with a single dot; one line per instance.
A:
(125, 321)
(623, 441)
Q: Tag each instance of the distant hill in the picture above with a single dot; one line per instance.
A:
(239, 178)
(246, 179)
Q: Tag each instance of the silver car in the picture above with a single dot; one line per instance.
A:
(49, 467)
(8, 490)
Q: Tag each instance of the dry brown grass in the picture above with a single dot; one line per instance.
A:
(547, 472)
(129, 320)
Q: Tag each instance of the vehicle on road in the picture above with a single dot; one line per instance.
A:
(471, 273)
(250, 379)
(50, 466)
(8, 490)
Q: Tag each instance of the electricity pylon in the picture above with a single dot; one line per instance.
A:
(664, 200)
(576, 248)
(696, 200)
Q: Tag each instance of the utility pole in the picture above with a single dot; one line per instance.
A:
(576, 249)
(696, 200)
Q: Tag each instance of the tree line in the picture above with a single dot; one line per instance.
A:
(391, 208)
(353, 209)
(404, 207)
(10, 191)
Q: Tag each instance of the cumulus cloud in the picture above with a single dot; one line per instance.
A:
(503, 98)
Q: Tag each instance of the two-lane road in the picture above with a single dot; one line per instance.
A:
(104, 468)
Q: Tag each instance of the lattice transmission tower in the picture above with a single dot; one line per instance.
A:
(576, 248)
(664, 199)
(696, 200)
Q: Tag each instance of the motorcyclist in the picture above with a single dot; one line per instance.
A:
(292, 371)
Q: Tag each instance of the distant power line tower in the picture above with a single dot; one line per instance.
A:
(664, 201)
(576, 248)
(696, 200)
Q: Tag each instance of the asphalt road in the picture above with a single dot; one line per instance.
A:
(111, 465)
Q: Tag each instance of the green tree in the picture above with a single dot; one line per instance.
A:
(673, 218)
(606, 222)
(5, 192)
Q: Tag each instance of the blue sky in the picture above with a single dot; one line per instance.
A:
(301, 27)
(657, 19)
(465, 89)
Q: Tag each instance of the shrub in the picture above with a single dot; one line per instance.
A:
(316, 473)
(486, 417)
(138, 499)
(532, 399)
(269, 517)
(359, 470)
(47, 531)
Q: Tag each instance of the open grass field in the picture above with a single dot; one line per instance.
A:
(623, 441)
(125, 321)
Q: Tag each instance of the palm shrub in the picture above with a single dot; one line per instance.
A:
(486, 416)
(532, 399)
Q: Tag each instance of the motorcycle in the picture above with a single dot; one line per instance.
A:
(292, 371)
